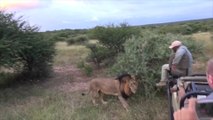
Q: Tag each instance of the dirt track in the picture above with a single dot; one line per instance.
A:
(70, 79)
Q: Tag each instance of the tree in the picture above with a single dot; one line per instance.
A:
(23, 48)
(111, 39)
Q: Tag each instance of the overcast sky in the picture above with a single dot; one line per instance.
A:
(77, 14)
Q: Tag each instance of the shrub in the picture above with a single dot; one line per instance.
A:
(5, 78)
(63, 34)
(111, 39)
(98, 53)
(81, 39)
(71, 41)
(144, 57)
(196, 47)
(23, 48)
(85, 67)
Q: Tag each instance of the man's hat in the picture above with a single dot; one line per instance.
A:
(175, 44)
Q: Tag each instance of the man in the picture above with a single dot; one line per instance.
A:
(180, 63)
(189, 113)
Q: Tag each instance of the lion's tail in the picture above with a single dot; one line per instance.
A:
(83, 94)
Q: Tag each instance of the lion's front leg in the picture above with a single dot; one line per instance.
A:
(123, 102)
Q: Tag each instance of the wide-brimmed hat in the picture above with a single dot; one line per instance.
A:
(175, 44)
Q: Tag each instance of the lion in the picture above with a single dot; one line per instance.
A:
(124, 86)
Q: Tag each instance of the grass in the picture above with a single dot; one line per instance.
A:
(67, 55)
(206, 38)
(37, 103)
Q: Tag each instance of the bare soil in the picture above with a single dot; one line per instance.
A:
(70, 79)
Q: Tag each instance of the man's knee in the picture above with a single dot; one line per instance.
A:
(165, 67)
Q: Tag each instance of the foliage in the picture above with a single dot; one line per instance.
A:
(111, 39)
(5, 78)
(85, 67)
(70, 41)
(80, 39)
(145, 55)
(64, 34)
(196, 47)
(37, 56)
(98, 53)
(8, 38)
(185, 27)
(23, 48)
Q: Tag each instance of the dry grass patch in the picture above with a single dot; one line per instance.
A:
(93, 41)
(206, 37)
(67, 55)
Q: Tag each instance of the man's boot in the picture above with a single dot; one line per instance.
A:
(161, 84)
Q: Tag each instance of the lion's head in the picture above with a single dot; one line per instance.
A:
(128, 85)
(133, 84)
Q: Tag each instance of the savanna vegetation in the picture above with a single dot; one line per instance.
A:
(42, 74)
(23, 50)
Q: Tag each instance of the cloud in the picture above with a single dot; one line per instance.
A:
(19, 5)
(12, 4)
(94, 18)
(66, 22)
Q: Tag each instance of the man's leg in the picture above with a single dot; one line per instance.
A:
(164, 74)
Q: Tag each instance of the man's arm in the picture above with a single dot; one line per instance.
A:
(178, 55)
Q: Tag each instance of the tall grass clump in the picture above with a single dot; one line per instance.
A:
(145, 55)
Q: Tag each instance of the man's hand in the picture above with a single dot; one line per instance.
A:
(173, 67)
(188, 113)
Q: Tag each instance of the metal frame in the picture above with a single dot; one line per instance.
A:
(194, 88)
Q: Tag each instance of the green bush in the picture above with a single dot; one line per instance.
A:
(88, 70)
(80, 39)
(113, 37)
(145, 55)
(71, 41)
(184, 28)
(23, 48)
(6, 78)
(196, 47)
(98, 53)
(63, 34)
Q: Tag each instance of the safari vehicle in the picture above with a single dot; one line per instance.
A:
(195, 86)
